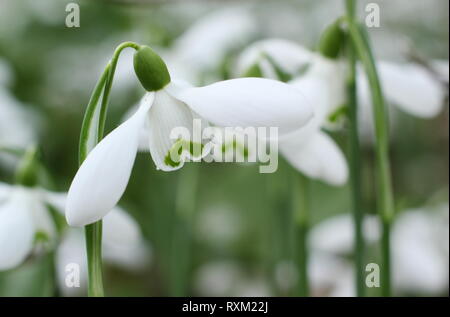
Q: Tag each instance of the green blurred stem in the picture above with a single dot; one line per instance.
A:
(181, 248)
(301, 218)
(355, 162)
(90, 137)
(385, 197)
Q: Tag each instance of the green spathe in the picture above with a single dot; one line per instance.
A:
(150, 69)
(331, 41)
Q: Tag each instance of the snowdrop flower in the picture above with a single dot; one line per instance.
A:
(23, 216)
(317, 78)
(123, 246)
(102, 178)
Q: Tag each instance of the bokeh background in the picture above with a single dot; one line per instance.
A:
(221, 229)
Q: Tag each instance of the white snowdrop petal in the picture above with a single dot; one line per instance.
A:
(123, 244)
(103, 176)
(409, 87)
(319, 157)
(166, 115)
(16, 230)
(250, 102)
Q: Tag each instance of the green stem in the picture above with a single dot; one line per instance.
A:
(301, 206)
(90, 136)
(385, 198)
(93, 234)
(355, 162)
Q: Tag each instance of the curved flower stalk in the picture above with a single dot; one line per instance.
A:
(103, 176)
(123, 247)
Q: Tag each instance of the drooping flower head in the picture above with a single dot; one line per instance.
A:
(167, 105)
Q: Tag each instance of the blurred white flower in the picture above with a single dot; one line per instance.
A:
(419, 252)
(23, 215)
(246, 102)
(335, 235)
(17, 123)
(123, 246)
(201, 49)
(226, 278)
(321, 82)
(290, 57)
(409, 87)
(222, 224)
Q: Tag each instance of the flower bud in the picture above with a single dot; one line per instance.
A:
(150, 69)
(331, 40)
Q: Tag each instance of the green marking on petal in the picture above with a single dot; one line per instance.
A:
(235, 146)
(173, 157)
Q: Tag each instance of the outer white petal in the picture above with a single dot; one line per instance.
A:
(250, 102)
(167, 114)
(409, 87)
(103, 176)
(289, 56)
(318, 158)
(123, 244)
(16, 230)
